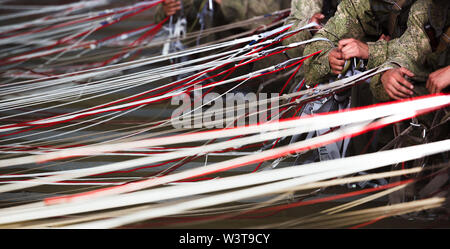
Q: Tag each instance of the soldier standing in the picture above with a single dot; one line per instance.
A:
(425, 69)
(304, 12)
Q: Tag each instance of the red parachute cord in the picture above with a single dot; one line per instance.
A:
(290, 78)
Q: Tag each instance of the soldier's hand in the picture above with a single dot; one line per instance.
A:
(352, 48)
(317, 18)
(395, 84)
(218, 1)
(439, 80)
(171, 7)
(336, 60)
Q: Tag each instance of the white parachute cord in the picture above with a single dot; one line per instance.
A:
(307, 144)
(310, 173)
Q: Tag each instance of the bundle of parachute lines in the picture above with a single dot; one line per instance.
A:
(109, 120)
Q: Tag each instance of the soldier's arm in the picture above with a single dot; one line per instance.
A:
(409, 51)
(301, 13)
(346, 23)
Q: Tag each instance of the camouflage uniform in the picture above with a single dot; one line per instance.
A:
(429, 48)
(421, 58)
(301, 13)
(365, 20)
(420, 54)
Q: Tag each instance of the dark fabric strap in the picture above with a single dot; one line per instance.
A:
(444, 41)
(393, 17)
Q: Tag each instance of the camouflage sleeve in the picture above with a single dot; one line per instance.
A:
(410, 50)
(301, 12)
(378, 53)
(377, 89)
(239, 10)
(348, 22)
